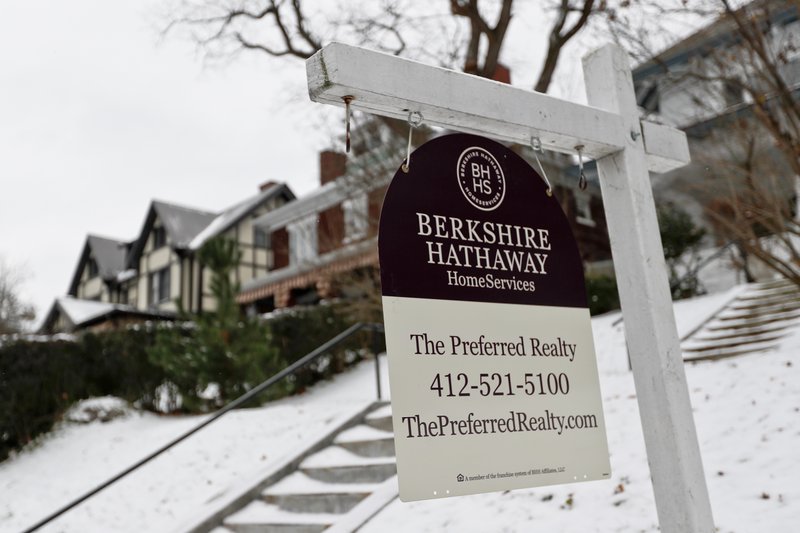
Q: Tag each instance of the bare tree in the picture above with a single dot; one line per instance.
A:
(466, 32)
(15, 313)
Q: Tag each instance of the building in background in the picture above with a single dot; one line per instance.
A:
(116, 282)
(705, 85)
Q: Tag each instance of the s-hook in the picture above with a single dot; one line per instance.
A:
(582, 183)
(347, 99)
(536, 144)
(414, 121)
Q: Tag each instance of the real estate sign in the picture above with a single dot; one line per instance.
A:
(492, 367)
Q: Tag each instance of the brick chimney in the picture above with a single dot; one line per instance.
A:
(266, 185)
(331, 165)
(501, 73)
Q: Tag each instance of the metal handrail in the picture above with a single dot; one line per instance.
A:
(241, 400)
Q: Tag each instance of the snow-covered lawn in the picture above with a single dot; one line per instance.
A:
(162, 494)
(747, 412)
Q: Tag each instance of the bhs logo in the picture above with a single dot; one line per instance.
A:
(481, 178)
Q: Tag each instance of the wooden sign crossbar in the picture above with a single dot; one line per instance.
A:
(625, 149)
(391, 86)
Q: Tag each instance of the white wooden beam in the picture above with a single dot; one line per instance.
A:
(391, 86)
(672, 451)
(664, 146)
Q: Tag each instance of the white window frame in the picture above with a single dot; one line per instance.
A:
(356, 217)
(302, 240)
(159, 281)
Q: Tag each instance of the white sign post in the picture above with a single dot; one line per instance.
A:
(625, 149)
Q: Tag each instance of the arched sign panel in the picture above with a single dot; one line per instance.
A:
(491, 359)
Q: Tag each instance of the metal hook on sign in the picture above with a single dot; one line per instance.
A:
(536, 144)
(347, 99)
(582, 183)
(414, 121)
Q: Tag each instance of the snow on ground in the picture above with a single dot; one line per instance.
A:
(164, 493)
(747, 412)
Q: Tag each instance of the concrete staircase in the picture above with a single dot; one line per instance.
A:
(753, 322)
(335, 486)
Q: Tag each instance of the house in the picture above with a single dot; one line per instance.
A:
(68, 314)
(316, 238)
(326, 241)
(165, 253)
(158, 273)
(101, 274)
(705, 84)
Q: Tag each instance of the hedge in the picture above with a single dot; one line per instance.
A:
(40, 380)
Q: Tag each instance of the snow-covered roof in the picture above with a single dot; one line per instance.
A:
(125, 275)
(109, 254)
(79, 311)
(236, 212)
(182, 223)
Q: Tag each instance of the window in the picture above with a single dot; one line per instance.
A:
(159, 286)
(260, 238)
(93, 268)
(302, 240)
(159, 237)
(732, 93)
(583, 209)
(356, 214)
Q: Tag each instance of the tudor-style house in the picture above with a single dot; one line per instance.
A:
(116, 282)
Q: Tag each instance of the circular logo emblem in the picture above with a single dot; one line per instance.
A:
(481, 178)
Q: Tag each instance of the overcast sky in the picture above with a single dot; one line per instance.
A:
(97, 118)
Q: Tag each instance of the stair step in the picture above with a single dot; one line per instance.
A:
(367, 441)
(337, 465)
(721, 334)
(261, 517)
(699, 346)
(788, 299)
(220, 529)
(298, 492)
(772, 284)
(769, 293)
(739, 323)
(724, 354)
(721, 353)
(380, 418)
(758, 312)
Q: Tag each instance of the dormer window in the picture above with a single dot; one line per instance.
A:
(159, 237)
